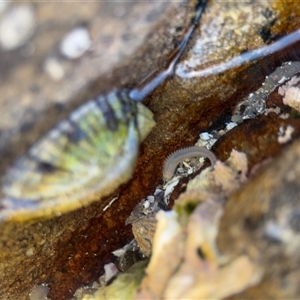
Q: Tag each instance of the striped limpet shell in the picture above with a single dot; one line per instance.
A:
(86, 156)
(83, 158)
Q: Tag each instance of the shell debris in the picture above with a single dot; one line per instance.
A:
(16, 27)
(76, 43)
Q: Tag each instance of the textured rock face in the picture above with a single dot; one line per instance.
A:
(262, 221)
(42, 82)
(119, 45)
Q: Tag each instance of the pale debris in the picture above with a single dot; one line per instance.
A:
(231, 125)
(76, 43)
(205, 136)
(121, 251)
(275, 110)
(169, 187)
(110, 270)
(54, 68)
(285, 134)
(16, 27)
(110, 203)
(178, 271)
(291, 93)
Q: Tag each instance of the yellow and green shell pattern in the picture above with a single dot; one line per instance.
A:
(81, 159)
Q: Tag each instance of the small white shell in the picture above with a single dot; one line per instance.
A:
(76, 43)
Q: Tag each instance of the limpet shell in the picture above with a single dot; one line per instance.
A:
(81, 159)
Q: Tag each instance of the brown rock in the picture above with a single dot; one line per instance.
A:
(71, 250)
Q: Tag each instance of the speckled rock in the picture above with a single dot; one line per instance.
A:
(41, 87)
(262, 221)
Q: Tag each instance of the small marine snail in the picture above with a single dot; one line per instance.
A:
(87, 155)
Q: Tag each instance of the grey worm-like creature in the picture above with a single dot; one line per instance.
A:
(178, 156)
(86, 156)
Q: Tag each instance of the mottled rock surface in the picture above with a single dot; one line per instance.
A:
(41, 86)
(262, 222)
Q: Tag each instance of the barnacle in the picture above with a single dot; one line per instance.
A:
(86, 156)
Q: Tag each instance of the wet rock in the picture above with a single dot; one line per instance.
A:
(71, 250)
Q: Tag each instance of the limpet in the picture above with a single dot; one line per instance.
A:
(87, 155)
(82, 158)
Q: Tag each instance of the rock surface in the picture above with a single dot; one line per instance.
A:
(262, 222)
(41, 86)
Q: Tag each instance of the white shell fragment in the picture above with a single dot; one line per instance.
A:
(76, 43)
(110, 271)
(54, 68)
(205, 136)
(170, 185)
(231, 125)
(16, 27)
